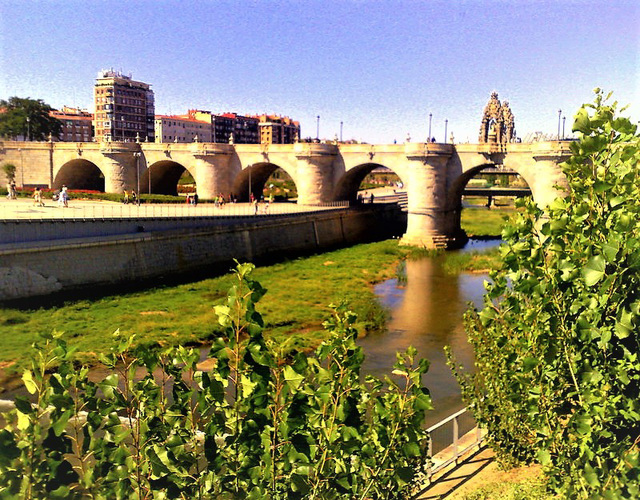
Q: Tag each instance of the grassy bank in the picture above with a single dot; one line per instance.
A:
(299, 292)
(483, 222)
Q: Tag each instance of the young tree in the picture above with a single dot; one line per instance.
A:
(557, 375)
(27, 117)
(9, 170)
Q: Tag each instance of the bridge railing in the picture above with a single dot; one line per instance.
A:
(97, 210)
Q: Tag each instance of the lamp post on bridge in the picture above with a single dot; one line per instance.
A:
(137, 155)
(429, 137)
(340, 131)
(28, 128)
(559, 115)
(563, 120)
(446, 122)
(318, 128)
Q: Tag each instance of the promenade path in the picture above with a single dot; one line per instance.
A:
(24, 208)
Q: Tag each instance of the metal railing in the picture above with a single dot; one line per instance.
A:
(452, 438)
(89, 210)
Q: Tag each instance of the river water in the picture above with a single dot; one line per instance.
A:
(426, 306)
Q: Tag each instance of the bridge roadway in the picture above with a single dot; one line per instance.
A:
(433, 174)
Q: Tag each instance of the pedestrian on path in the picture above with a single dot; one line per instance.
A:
(37, 198)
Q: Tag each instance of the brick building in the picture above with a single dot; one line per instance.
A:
(124, 108)
(77, 124)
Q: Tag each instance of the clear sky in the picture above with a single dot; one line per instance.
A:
(378, 66)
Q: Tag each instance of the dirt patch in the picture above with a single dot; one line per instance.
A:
(157, 313)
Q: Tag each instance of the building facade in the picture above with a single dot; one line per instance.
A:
(77, 124)
(181, 128)
(124, 108)
(225, 128)
(278, 129)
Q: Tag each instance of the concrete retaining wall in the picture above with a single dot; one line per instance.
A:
(43, 267)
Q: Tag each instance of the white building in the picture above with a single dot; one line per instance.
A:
(181, 129)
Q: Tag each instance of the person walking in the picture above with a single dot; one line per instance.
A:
(37, 198)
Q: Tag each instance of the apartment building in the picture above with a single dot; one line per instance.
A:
(278, 129)
(77, 124)
(182, 128)
(124, 108)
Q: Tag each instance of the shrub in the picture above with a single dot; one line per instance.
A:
(262, 422)
(557, 375)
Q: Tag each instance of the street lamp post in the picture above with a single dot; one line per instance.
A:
(28, 128)
(446, 122)
(340, 131)
(563, 120)
(137, 155)
(318, 128)
(429, 138)
(559, 115)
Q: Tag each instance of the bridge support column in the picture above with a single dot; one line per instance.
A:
(314, 172)
(430, 223)
(211, 171)
(119, 170)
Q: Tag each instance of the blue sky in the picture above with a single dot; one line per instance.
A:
(378, 66)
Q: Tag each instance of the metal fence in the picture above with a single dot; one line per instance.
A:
(453, 434)
(97, 210)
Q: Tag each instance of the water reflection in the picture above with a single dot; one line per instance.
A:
(426, 311)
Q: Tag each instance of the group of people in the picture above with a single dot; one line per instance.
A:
(192, 199)
(130, 197)
(362, 198)
(62, 196)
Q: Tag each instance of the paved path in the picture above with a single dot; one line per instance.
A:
(24, 208)
(452, 479)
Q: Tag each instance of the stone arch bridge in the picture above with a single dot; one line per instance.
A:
(434, 174)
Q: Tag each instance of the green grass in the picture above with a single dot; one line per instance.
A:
(482, 222)
(472, 261)
(296, 304)
(528, 489)
(299, 292)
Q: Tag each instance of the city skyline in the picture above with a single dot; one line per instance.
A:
(374, 69)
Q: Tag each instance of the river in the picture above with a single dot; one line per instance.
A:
(426, 306)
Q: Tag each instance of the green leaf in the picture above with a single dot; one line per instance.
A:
(29, 383)
(544, 457)
(23, 405)
(60, 423)
(292, 378)
(593, 270)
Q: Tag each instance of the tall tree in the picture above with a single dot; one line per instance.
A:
(557, 343)
(27, 117)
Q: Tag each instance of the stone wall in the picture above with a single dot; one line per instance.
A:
(39, 268)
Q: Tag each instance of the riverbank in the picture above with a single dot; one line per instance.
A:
(294, 308)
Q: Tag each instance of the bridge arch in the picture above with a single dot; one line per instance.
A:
(161, 177)
(542, 187)
(80, 174)
(253, 178)
(348, 184)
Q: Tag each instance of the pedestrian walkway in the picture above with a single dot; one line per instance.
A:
(450, 480)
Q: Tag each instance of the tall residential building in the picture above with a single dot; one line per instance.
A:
(77, 124)
(124, 108)
(182, 128)
(278, 129)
